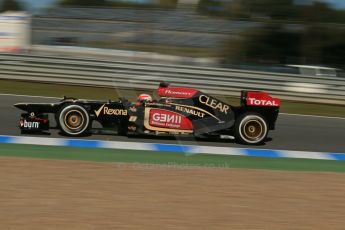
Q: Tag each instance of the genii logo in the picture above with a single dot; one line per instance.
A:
(167, 119)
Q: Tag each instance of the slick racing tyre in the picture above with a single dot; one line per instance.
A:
(74, 120)
(251, 129)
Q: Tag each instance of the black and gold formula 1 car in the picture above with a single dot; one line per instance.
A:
(179, 111)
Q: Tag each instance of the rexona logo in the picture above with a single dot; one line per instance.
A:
(168, 119)
(104, 110)
(214, 104)
(29, 124)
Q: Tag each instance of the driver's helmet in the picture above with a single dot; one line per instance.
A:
(144, 98)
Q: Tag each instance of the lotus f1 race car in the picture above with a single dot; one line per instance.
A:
(179, 111)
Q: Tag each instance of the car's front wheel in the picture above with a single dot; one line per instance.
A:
(251, 128)
(74, 120)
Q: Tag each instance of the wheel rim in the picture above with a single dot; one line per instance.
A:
(74, 119)
(253, 129)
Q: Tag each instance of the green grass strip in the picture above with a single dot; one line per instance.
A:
(169, 158)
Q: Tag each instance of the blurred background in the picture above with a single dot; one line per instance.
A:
(294, 37)
(228, 32)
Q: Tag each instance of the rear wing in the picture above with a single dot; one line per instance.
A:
(259, 99)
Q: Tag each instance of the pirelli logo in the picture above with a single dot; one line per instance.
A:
(105, 110)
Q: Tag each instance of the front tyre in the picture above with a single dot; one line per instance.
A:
(74, 120)
(251, 129)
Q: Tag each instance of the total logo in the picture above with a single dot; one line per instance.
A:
(29, 124)
(253, 101)
(104, 110)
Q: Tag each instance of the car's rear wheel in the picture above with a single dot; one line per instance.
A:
(74, 120)
(251, 128)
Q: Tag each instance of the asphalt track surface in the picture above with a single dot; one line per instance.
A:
(293, 132)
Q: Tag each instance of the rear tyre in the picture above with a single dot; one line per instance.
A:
(251, 129)
(74, 120)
